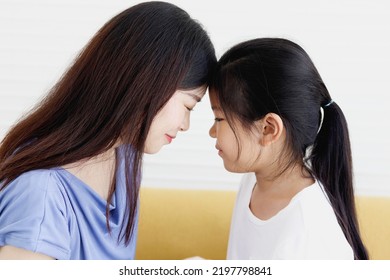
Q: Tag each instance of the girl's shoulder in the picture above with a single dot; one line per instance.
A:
(314, 194)
(317, 211)
(247, 182)
(324, 236)
(314, 201)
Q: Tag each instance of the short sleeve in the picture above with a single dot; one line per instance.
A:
(33, 215)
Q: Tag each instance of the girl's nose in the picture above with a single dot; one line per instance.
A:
(212, 131)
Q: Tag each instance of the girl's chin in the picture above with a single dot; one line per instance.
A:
(233, 168)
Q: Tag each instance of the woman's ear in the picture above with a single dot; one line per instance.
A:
(272, 129)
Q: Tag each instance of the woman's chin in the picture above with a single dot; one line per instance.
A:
(152, 150)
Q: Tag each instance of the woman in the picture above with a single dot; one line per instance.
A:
(70, 170)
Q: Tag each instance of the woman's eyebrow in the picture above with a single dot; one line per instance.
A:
(194, 96)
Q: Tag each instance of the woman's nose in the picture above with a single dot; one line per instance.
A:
(186, 123)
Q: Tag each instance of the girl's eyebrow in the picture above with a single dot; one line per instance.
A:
(215, 108)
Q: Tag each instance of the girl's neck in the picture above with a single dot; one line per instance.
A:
(287, 184)
(273, 193)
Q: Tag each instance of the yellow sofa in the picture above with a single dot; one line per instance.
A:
(177, 224)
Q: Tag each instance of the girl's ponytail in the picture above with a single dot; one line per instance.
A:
(331, 162)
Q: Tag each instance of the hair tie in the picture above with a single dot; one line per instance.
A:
(330, 103)
(321, 120)
(323, 113)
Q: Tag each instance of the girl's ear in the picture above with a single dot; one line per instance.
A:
(272, 129)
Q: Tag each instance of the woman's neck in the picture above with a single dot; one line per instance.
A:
(97, 172)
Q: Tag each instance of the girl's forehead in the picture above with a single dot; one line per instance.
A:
(213, 99)
(216, 108)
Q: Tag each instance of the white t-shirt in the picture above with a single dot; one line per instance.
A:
(306, 228)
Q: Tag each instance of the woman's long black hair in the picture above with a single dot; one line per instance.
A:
(275, 75)
(111, 93)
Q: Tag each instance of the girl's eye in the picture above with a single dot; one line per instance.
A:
(218, 119)
(190, 109)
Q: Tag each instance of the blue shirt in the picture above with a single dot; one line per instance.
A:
(51, 211)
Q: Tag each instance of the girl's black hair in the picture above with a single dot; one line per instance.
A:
(273, 75)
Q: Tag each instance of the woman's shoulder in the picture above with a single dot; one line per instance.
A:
(33, 194)
(40, 183)
(34, 214)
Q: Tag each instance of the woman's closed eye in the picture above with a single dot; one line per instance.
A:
(218, 119)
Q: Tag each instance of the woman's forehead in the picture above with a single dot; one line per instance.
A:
(196, 93)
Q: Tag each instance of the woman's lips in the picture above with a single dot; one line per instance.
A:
(169, 138)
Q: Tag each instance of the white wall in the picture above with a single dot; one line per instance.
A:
(349, 42)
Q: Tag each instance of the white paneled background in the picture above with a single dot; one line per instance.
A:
(349, 42)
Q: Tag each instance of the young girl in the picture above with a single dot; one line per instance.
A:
(275, 120)
(70, 170)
